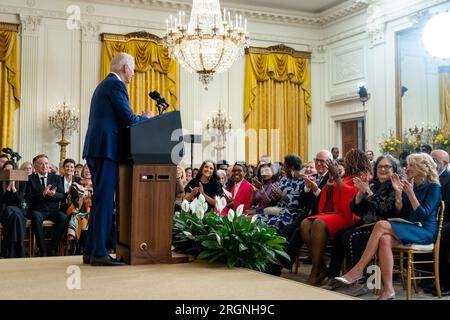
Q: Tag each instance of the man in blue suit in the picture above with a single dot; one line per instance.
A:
(110, 114)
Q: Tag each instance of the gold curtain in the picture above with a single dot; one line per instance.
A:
(9, 82)
(154, 69)
(277, 102)
(444, 96)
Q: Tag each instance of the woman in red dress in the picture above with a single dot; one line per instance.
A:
(334, 209)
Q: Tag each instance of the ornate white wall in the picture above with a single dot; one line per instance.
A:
(351, 43)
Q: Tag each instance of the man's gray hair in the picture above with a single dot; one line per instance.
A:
(120, 60)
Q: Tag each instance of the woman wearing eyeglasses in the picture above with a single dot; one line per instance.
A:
(374, 201)
(416, 201)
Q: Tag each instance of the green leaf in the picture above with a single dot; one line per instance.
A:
(211, 244)
(242, 247)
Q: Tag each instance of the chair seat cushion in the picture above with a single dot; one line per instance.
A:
(416, 246)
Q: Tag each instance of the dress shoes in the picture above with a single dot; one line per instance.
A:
(389, 297)
(105, 261)
(344, 280)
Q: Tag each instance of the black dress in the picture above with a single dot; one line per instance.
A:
(212, 188)
(13, 220)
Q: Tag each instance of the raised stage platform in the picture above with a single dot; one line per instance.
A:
(46, 278)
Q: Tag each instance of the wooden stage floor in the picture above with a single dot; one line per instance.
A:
(47, 278)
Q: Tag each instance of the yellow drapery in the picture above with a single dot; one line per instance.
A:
(444, 96)
(154, 70)
(9, 82)
(277, 102)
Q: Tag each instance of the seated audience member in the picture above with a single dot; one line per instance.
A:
(86, 180)
(53, 169)
(3, 159)
(222, 176)
(230, 178)
(442, 159)
(424, 148)
(334, 210)
(12, 216)
(335, 153)
(67, 179)
(341, 167)
(416, 200)
(309, 169)
(286, 194)
(205, 183)
(309, 202)
(222, 165)
(28, 167)
(241, 191)
(251, 172)
(195, 172)
(78, 212)
(188, 172)
(263, 184)
(179, 189)
(43, 195)
(374, 201)
(370, 156)
(77, 171)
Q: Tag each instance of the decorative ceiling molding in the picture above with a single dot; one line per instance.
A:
(319, 19)
(141, 35)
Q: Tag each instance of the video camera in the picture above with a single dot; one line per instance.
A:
(15, 157)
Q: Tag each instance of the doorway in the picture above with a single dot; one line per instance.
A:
(353, 135)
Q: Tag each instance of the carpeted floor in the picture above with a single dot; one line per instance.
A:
(47, 278)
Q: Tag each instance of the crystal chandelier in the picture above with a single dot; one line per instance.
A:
(64, 120)
(210, 42)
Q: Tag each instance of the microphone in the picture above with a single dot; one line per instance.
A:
(159, 101)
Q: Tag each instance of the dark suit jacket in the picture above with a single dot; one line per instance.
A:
(444, 180)
(110, 114)
(308, 201)
(34, 197)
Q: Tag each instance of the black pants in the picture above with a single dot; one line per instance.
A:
(348, 242)
(14, 223)
(37, 218)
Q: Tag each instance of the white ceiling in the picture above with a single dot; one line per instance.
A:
(310, 6)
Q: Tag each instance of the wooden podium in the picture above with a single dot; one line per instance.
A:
(13, 175)
(146, 193)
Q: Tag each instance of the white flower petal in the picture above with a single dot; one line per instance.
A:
(200, 213)
(185, 206)
(193, 205)
(176, 214)
(231, 215)
(239, 210)
(254, 218)
(219, 241)
(201, 198)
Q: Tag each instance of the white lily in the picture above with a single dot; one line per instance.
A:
(200, 212)
(239, 210)
(254, 218)
(231, 215)
(177, 214)
(221, 203)
(188, 234)
(205, 206)
(201, 198)
(219, 241)
(185, 206)
(193, 205)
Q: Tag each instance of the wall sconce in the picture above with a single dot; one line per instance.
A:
(362, 92)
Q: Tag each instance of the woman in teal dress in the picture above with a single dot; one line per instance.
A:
(416, 202)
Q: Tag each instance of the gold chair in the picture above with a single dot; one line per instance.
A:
(411, 250)
(45, 224)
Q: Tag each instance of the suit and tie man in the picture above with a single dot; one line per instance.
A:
(110, 114)
(44, 193)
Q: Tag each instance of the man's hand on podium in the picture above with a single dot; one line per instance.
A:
(148, 114)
